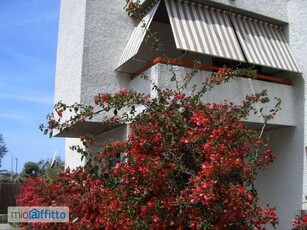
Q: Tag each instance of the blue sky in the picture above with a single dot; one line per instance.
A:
(28, 41)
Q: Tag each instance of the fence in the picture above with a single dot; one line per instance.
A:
(7, 196)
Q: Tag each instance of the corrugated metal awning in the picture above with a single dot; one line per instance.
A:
(264, 44)
(201, 29)
(137, 36)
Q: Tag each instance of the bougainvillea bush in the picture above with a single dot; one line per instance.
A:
(188, 164)
(300, 222)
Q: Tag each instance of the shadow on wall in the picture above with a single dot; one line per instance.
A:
(281, 184)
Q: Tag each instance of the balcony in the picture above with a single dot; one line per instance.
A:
(158, 72)
(235, 90)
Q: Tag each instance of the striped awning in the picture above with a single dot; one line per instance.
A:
(201, 29)
(207, 30)
(264, 44)
(137, 36)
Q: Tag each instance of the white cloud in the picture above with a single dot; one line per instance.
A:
(12, 117)
(10, 50)
(50, 16)
(26, 97)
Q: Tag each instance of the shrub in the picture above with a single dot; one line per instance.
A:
(188, 165)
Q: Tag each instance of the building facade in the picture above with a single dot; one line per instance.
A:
(101, 49)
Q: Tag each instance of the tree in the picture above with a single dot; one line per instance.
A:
(3, 149)
(30, 170)
(50, 169)
(5, 176)
(43, 168)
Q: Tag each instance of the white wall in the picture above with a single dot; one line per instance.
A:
(117, 134)
(69, 64)
(280, 184)
(284, 183)
(107, 30)
(72, 158)
(297, 35)
(70, 51)
(92, 36)
(236, 90)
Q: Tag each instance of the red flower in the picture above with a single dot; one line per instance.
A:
(104, 97)
(60, 113)
(124, 90)
(155, 218)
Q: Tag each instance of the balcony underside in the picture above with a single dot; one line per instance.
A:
(88, 127)
(96, 128)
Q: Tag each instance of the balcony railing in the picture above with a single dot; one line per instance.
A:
(235, 90)
(190, 64)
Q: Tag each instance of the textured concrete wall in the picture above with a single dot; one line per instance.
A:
(285, 182)
(280, 184)
(235, 91)
(275, 9)
(297, 14)
(70, 51)
(107, 30)
(117, 134)
(92, 36)
(69, 64)
(72, 158)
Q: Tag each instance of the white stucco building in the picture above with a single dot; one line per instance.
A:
(101, 49)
